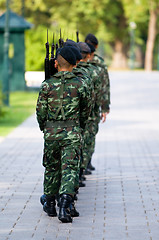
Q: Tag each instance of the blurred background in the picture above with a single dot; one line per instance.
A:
(127, 31)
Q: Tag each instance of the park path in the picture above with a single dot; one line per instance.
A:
(121, 198)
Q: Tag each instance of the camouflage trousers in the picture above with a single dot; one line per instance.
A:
(61, 160)
(89, 142)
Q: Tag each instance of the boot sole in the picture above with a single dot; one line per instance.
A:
(74, 214)
(64, 220)
(50, 214)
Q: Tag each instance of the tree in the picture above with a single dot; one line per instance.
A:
(145, 15)
(108, 20)
(152, 29)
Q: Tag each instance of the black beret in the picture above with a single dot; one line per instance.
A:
(84, 47)
(70, 42)
(57, 52)
(91, 47)
(76, 51)
(91, 38)
(68, 55)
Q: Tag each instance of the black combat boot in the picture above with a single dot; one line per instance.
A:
(75, 197)
(72, 209)
(81, 184)
(64, 213)
(90, 167)
(43, 199)
(49, 206)
(87, 172)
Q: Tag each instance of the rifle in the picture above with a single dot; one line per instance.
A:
(57, 46)
(77, 34)
(53, 70)
(47, 72)
(61, 42)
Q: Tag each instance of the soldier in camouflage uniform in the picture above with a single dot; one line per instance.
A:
(62, 112)
(104, 87)
(94, 77)
(83, 75)
(99, 62)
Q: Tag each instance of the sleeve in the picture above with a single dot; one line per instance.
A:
(105, 95)
(42, 106)
(85, 106)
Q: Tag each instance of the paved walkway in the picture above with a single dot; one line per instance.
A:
(121, 198)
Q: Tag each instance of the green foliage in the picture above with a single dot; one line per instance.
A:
(22, 105)
(108, 20)
(2, 112)
(35, 48)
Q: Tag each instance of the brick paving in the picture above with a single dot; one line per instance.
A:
(121, 198)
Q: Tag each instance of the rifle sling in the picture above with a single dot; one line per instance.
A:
(61, 99)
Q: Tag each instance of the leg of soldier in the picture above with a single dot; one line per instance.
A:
(51, 162)
(94, 131)
(70, 159)
(86, 145)
(77, 185)
(81, 176)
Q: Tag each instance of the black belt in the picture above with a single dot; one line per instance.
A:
(61, 124)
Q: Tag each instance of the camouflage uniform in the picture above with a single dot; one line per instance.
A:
(102, 99)
(105, 93)
(82, 74)
(62, 110)
(102, 93)
(88, 135)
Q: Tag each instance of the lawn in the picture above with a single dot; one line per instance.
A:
(22, 105)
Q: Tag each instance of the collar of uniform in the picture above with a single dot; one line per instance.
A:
(66, 74)
(98, 58)
(77, 70)
(82, 64)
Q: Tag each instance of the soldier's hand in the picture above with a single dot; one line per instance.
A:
(103, 116)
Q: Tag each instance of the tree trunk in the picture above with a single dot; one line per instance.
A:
(119, 56)
(151, 39)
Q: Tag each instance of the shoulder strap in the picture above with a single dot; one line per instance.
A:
(61, 99)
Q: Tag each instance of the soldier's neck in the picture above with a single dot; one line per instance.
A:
(61, 69)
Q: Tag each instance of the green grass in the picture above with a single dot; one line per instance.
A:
(22, 105)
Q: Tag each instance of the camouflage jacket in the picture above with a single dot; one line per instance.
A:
(82, 74)
(94, 79)
(105, 90)
(97, 87)
(62, 98)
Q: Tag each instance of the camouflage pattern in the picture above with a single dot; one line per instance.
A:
(66, 95)
(94, 81)
(62, 161)
(83, 74)
(88, 135)
(102, 101)
(74, 102)
(105, 93)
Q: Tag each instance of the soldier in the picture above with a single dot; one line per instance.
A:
(103, 106)
(82, 74)
(94, 79)
(62, 111)
(83, 71)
